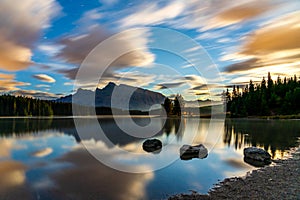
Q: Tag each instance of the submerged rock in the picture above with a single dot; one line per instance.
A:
(188, 152)
(256, 156)
(152, 145)
(256, 163)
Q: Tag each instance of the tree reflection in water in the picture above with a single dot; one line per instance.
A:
(176, 126)
(275, 136)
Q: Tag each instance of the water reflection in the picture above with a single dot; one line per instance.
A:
(90, 179)
(44, 158)
(174, 125)
(12, 182)
(23, 126)
(275, 136)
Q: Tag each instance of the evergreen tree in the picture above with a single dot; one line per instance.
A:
(168, 106)
(265, 98)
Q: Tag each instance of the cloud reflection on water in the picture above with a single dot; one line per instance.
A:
(13, 180)
(91, 179)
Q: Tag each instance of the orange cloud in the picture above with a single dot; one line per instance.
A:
(206, 15)
(7, 83)
(284, 36)
(275, 44)
(238, 13)
(13, 56)
(21, 26)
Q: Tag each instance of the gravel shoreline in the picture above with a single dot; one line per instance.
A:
(281, 181)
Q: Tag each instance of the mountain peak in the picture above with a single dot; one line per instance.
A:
(141, 99)
(110, 85)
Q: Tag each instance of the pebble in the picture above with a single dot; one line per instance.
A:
(281, 181)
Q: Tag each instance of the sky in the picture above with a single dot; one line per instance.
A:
(50, 48)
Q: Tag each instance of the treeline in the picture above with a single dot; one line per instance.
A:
(280, 97)
(174, 106)
(24, 106)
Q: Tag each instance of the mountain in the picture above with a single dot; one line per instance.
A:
(125, 97)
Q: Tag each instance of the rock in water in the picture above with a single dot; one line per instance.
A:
(256, 163)
(152, 145)
(188, 152)
(257, 154)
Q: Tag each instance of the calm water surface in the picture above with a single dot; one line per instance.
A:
(46, 158)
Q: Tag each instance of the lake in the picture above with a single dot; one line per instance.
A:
(55, 158)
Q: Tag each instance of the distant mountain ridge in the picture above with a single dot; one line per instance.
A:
(124, 97)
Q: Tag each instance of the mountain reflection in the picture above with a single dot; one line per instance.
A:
(272, 135)
(23, 126)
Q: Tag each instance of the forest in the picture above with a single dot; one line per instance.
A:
(174, 107)
(267, 98)
(25, 106)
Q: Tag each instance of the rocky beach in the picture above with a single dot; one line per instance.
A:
(281, 180)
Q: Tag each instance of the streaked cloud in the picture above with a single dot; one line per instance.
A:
(200, 87)
(281, 35)
(151, 13)
(207, 15)
(132, 78)
(276, 43)
(224, 40)
(162, 86)
(50, 49)
(76, 48)
(133, 42)
(36, 94)
(42, 86)
(8, 83)
(13, 57)
(22, 25)
(237, 12)
(243, 80)
(7, 76)
(241, 66)
(44, 77)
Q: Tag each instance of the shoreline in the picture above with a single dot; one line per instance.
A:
(277, 181)
(204, 116)
(296, 116)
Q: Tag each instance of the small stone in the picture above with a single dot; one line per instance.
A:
(188, 152)
(152, 145)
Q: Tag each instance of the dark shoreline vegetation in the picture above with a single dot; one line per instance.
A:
(278, 99)
(25, 106)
